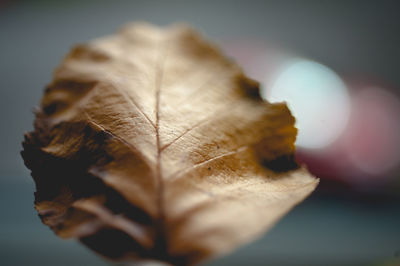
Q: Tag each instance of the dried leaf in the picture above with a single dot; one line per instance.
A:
(150, 144)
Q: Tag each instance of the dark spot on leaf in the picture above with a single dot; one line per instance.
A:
(282, 163)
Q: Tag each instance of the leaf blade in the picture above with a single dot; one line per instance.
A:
(155, 151)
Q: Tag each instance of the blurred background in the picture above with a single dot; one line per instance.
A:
(336, 63)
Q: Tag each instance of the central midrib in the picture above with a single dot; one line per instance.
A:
(158, 171)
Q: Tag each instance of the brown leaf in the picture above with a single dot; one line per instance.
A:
(150, 144)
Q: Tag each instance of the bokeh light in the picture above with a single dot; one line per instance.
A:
(317, 97)
(372, 140)
(348, 131)
(369, 148)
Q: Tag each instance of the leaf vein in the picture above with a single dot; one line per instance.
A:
(121, 139)
(221, 112)
(135, 104)
(182, 172)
